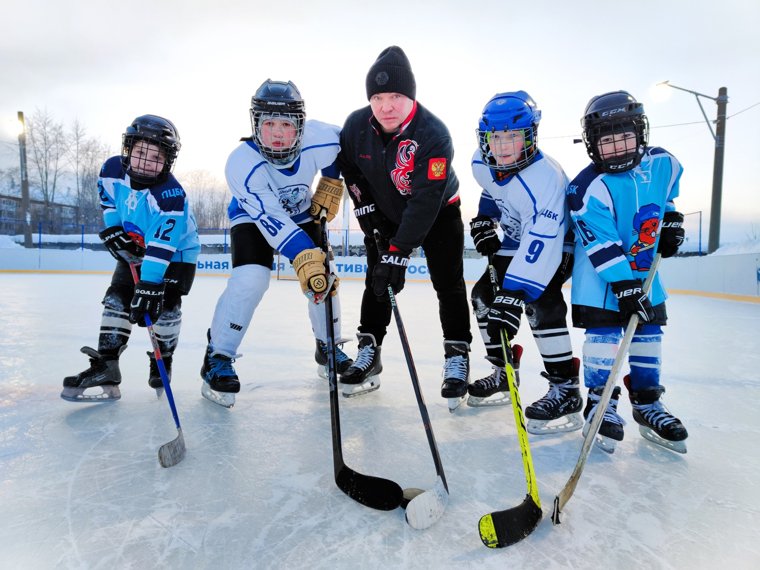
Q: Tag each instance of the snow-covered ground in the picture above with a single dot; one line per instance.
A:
(81, 487)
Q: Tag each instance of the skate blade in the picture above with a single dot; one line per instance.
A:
(159, 392)
(369, 385)
(649, 434)
(498, 399)
(601, 442)
(426, 507)
(225, 399)
(322, 371)
(571, 422)
(454, 403)
(110, 393)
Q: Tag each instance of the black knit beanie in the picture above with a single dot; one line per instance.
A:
(391, 73)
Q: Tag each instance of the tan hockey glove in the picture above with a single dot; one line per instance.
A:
(310, 269)
(328, 196)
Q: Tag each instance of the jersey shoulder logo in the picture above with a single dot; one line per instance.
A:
(436, 169)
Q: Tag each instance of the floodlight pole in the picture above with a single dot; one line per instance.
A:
(719, 136)
(24, 183)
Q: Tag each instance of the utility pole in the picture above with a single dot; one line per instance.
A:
(27, 217)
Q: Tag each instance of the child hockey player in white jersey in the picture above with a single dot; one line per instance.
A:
(618, 204)
(523, 193)
(149, 223)
(272, 208)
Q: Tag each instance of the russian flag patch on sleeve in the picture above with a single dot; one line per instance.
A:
(436, 169)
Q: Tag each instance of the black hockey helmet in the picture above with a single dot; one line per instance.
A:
(614, 113)
(155, 130)
(278, 100)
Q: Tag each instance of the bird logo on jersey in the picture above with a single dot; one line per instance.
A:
(292, 197)
(646, 222)
(404, 166)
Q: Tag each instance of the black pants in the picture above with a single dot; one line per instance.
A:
(444, 248)
(249, 247)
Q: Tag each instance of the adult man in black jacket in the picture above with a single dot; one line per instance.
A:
(396, 160)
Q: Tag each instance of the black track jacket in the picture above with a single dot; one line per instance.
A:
(409, 178)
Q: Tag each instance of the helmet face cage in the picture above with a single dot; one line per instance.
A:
(277, 100)
(509, 113)
(156, 131)
(612, 115)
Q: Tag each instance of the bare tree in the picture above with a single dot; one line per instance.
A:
(208, 197)
(48, 146)
(86, 155)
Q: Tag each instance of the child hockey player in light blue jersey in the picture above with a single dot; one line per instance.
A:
(618, 204)
(273, 209)
(524, 194)
(149, 223)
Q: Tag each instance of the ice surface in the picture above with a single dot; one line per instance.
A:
(81, 486)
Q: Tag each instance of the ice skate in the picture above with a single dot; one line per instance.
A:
(342, 361)
(220, 382)
(611, 428)
(559, 409)
(154, 378)
(456, 372)
(493, 390)
(103, 373)
(656, 423)
(363, 376)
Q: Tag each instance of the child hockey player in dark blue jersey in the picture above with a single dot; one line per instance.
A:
(618, 204)
(149, 223)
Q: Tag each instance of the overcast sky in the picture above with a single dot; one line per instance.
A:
(198, 63)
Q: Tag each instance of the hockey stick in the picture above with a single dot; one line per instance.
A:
(504, 528)
(374, 492)
(567, 491)
(428, 506)
(173, 452)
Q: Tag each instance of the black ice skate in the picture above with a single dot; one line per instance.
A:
(363, 376)
(493, 390)
(611, 428)
(656, 423)
(220, 382)
(103, 373)
(154, 378)
(559, 410)
(456, 372)
(342, 361)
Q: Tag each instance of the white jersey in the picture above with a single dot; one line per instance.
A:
(533, 214)
(278, 199)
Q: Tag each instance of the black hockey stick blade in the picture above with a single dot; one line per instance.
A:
(504, 528)
(373, 492)
(171, 453)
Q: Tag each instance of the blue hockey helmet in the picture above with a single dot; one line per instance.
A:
(155, 130)
(610, 114)
(511, 111)
(278, 100)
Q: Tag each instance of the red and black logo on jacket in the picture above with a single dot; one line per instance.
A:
(404, 166)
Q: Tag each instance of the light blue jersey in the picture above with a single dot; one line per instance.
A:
(617, 219)
(158, 217)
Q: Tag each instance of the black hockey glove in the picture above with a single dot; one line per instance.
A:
(121, 246)
(389, 271)
(370, 218)
(632, 300)
(672, 234)
(483, 232)
(147, 300)
(505, 313)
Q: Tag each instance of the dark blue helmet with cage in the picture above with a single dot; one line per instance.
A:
(153, 130)
(283, 101)
(511, 111)
(611, 114)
